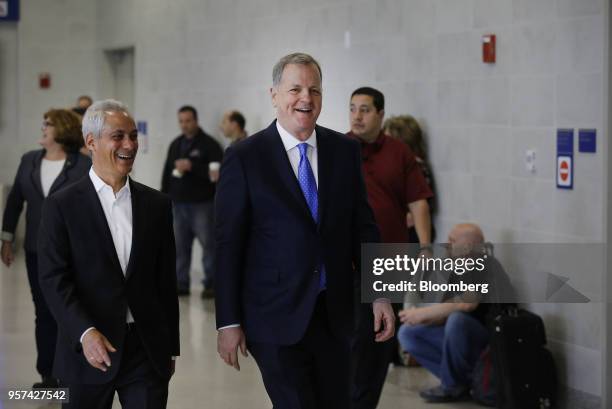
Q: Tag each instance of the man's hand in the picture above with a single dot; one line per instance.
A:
(411, 316)
(182, 165)
(384, 320)
(96, 348)
(7, 253)
(228, 341)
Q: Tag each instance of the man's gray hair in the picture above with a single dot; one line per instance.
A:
(295, 58)
(95, 116)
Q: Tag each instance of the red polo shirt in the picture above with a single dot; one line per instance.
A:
(393, 179)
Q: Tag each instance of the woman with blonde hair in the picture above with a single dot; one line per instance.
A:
(42, 172)
(407, 129)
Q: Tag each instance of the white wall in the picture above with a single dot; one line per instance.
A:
(54, 36)
(8, 100)
(423, 54)
(606, 334)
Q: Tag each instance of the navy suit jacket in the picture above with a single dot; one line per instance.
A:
(84, 285)
(27, 188)
(269, 248)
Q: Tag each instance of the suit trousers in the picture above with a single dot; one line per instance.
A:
(371, 360)
(45, 327)
(137, 383)
(312, 374)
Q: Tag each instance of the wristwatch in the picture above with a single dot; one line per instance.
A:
(425, 247)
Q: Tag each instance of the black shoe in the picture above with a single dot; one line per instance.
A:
(441, 394)
(207, 293)
(183, 292)
(47, 383)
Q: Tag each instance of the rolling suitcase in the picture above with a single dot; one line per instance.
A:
(525, 371)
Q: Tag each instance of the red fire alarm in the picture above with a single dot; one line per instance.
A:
(488, 48)
(44, 80)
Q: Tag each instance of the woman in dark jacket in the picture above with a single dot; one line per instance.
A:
(42, 172)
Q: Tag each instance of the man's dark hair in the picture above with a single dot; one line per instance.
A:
(377, 97)
(87, 97)
(189, 108)
(237, 117)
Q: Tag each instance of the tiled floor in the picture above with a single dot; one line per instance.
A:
(202, 380)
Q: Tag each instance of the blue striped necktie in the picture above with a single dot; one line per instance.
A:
(308, 185)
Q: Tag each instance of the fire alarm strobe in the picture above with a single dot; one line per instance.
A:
(488, 48)
(44, 80)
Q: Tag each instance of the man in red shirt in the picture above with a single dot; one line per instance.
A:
(395, 185)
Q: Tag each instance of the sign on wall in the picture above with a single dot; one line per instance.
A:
(9, 10)
(143, 136)
(587, 140)
(565, 158)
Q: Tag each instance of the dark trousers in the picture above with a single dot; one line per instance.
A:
(137, 383)
(370, 360)
(194, 220)
(312, 374)
(45, 327)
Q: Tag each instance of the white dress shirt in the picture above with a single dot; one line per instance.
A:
(293, 152)
(118, 212)
(49, 171)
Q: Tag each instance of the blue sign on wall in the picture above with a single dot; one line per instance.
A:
(565, 159)
(587, 140)
(143, 137)
(565, 141)
(142, 127)
(9, 10)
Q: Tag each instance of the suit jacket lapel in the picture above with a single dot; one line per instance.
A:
(282, 168)
(100, 222)
(71, 159)
(35, 174)
(325, 164)
(139, 218)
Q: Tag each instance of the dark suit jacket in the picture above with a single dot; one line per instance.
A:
(268, 246)
(84, 286)
(27, 188)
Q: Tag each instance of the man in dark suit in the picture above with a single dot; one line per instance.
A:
(292, 213)
(108, 274)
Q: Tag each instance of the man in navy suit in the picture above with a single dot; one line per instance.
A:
(292, 212)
